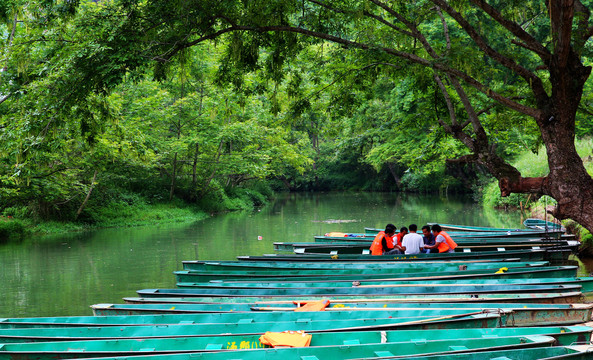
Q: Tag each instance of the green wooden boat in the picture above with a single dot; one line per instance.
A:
(524, 255)
(537, 314)
(48, 333)
(113, 348)
(586, 283)
(361, 291)
(453, 227)
(353, 350)
(549, 298)
(518, 316)
(470, 238)
(338, 304)
(461, 241)
(527, 233)
(396, 278)
(520, 272)
(543, 225)
(144, 346)
(121, 318)
(400, 266)
(577, 352)
(363, 249)
(585, 309)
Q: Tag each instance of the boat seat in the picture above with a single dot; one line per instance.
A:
(457, 347)
(383, 353)
(418, 341)
(213, 347)
(245, 321)
(352, 342)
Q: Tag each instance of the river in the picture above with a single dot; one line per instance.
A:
(64, 275)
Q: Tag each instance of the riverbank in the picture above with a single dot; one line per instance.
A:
(15, 229)
(130, 210)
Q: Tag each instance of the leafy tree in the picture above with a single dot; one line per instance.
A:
(493, 64)
(532, 54)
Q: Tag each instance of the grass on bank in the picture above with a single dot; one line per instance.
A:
(12, 229)
(532, 165)
(535, 165)
(131, 209)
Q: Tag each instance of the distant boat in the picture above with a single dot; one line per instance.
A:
(543, 225)
(509, 233)
(453, 227)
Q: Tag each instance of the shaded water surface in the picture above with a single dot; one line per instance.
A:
(55, 276)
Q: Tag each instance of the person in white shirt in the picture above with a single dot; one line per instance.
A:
(412, 243)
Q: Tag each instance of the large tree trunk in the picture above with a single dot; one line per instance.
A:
(568, 181)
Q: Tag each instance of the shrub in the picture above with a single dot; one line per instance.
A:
(11, 229)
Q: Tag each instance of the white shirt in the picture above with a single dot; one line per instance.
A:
(412, 242)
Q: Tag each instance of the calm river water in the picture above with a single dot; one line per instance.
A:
(57, 276)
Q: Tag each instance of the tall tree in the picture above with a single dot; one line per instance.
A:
(518, 59)
(528, 59)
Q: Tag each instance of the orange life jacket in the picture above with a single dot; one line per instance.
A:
(286, 338)
(399, 237)
(447, 244)
(377, 246)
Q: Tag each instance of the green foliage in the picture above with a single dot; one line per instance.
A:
(110, 108)
(11, 229)
(491, 198)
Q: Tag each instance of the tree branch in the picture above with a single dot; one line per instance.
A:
(561, 15)
(583, 28)
(528, 41)
(534, 82)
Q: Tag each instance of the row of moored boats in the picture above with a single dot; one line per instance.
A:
(493, 299)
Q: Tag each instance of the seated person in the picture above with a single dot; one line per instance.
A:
(429, 239)
(412, 243)
(383, 242)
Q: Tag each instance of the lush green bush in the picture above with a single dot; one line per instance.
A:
(11, 229)
(18, 212)
(491, 198)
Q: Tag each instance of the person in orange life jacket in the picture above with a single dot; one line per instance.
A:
(400, 236)
(443, 241)
(383, 242)
(397, 242)
(412, 243)
(429, 239)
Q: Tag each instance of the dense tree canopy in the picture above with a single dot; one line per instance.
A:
(400, 78)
